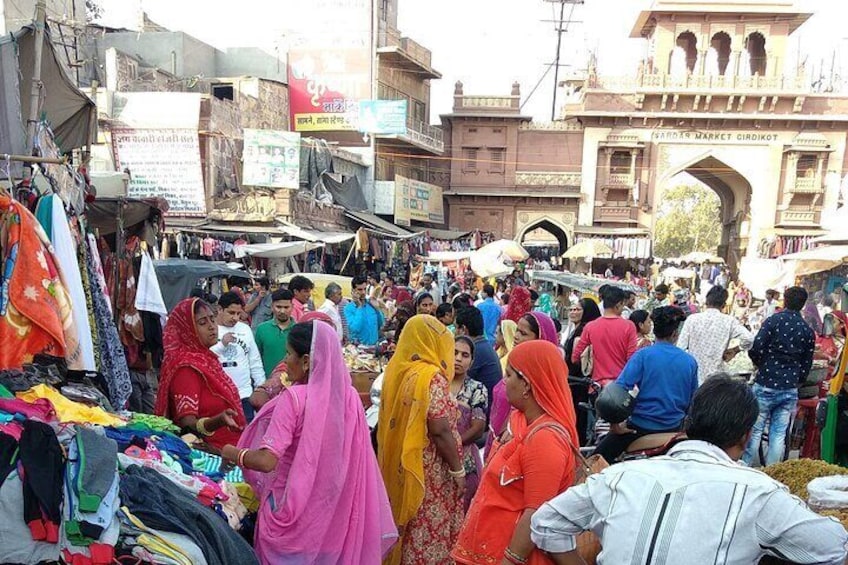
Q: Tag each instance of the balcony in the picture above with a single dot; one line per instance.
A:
(616, 214)
(422, 135)
(735, 85)
(807, 185)
(620, 180)
(408, 55)
(797, 218)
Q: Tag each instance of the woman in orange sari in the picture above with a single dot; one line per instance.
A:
(527, 470)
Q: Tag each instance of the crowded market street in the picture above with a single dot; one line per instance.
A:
(275, 290)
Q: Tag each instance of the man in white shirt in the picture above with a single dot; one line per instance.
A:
(707, 335)
(237, 350)
(696, 505)
(333, 295)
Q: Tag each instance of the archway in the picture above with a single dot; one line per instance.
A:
(684, 55)
(543, 238)
(734, 194)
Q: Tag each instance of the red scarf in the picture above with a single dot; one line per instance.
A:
(519, 304)
(184, 349)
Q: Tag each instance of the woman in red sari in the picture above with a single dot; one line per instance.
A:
(194, 390)
(527, 470)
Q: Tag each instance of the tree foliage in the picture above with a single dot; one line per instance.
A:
(689, 219)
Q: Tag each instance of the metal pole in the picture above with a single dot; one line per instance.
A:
(35, 89)
(556, 59)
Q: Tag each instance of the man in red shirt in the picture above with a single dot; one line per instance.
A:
(613, 339)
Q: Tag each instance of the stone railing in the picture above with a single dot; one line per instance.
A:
(547, 178)
(797, 216)
(616, 213)
(620, 179)
(807, 185)
(416, 52)
(486, 102)
(700, 83)
(556, 125)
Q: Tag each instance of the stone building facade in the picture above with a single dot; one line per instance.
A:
(710, 99)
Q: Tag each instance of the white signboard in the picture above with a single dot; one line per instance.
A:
(271, 158)
(384, 197)
(164, 163)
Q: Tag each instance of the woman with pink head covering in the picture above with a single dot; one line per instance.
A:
(309, 459)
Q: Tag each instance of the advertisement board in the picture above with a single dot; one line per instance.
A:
(271, 158)
(162, 162)
(417, 200)
(329, 68)
(384, 197)
(382, 116)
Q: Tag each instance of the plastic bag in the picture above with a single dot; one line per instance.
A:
(828, 492)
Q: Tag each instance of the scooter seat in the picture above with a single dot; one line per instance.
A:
(655, 442)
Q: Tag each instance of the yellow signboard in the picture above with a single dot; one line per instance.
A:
(417, 200)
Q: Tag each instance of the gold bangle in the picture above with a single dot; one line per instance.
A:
(457, 474)
(201, 427)
(241, 455)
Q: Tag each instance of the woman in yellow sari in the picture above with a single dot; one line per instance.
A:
(419, 448)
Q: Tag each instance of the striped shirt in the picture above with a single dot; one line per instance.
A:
(693, 506)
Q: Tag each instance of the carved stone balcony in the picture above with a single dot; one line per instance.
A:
(807, 185)
(797, 218)
(619, 214)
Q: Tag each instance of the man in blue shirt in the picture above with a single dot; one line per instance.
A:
(783, 353)
(491, 313)
(363, 317)
(666, 378)
(486, 366)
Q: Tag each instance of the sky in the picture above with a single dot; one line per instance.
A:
(487, 44)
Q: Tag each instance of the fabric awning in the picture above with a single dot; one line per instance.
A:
(276, 250)
(71, 114)
(817, 260)
(177, 277)
(376, 223)
(449, 235)
(316, 235)
(582, 283)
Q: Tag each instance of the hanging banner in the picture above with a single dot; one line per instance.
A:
(417, 200)
(271, 158)
(382, 116)
(329, 72)
(155, 139)
(384, 197)
(165, 163)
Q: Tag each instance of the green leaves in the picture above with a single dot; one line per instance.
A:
(688, 219)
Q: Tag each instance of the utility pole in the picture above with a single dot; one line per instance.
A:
(35, 89)
(562, 26)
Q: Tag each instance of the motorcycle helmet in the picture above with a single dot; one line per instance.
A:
(614, 403)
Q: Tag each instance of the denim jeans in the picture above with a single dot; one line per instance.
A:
(776, 405)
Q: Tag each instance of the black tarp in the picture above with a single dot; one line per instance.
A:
(347, 194)
(177, 277)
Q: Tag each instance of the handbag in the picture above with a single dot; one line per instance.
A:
(588, 544)
(587, 361)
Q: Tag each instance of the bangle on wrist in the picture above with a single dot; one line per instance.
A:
(513, 557)
(457, 474)
(200, 425)
(241, 454)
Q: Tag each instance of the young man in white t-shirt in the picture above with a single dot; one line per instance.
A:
(237, 350)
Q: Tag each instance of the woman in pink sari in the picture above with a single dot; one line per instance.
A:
(308, 456)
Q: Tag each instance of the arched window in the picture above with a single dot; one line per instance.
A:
(689, 43)
(755, 44)
(721, 43)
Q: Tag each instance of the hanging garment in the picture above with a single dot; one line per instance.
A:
(52, 217)
(113, 362)
(34, 310)
(149, 295)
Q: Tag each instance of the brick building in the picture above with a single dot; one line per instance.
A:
(710, 98)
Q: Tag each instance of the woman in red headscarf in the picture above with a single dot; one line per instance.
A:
(519, 304)
(529, 469)
(194, 390)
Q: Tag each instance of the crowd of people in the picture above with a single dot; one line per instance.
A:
(484, 409)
